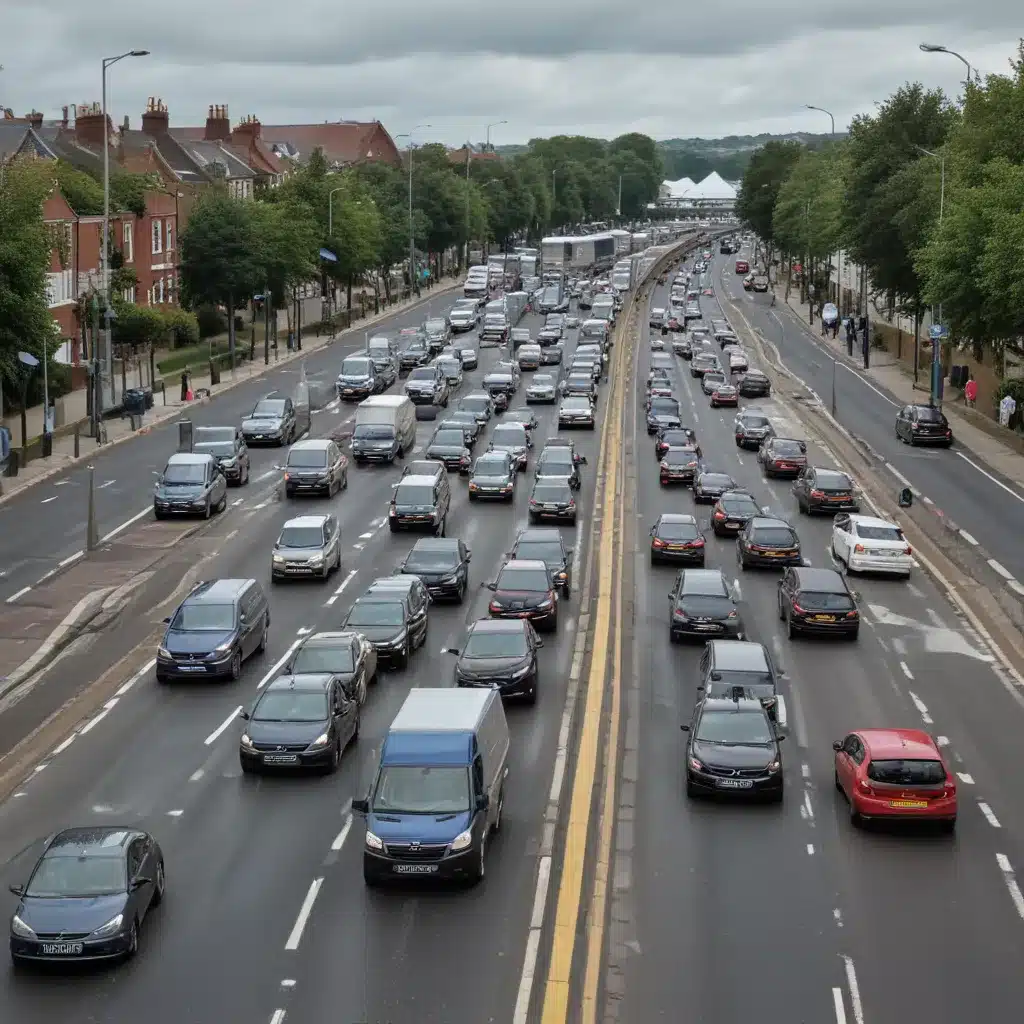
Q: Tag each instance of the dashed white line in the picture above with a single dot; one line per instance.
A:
(943, 741)
(1001, 569)
(998, 483)
(46, 501)
(1011, 882)
(339, 839)
(366, 536)
(906, 670)
(277, 1017)
(1016, 587)
(807, 808)
(265, 476)
(20, 593)
(810, 849)
(921, 709)
(223, 727)
(304, 911)
(276, 667)
(105, 484)
(61, 747)
(837, 1002)
(303, 630)
(969, 538)
(176, 813)
(145, 670)
(967, 780)
(989, 814)
(196, 775)
(92, 723)
(851, 981)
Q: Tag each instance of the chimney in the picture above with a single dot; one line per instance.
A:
(155, 119)
(89, 125)
(35, 119)
(63, 117)
(8, 113)
(218, 125)
(247, 131)
(125, 124)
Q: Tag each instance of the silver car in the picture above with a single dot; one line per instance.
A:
(512, 438)
(576, 412)
(542, 388)
(308, 546)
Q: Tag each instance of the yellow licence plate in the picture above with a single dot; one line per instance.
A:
(824, 618)
(908, 803)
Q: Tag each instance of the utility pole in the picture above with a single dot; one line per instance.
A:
(469, 155)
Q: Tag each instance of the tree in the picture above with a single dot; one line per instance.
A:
(807, 220)
(759, 192)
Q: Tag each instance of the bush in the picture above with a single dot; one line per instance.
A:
(211, 321)
(183, 327)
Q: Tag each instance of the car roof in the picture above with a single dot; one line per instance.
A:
(899, 743)
(525, 563)
(739, 492)
(703, 581)
(745, 705)
(92, 841)
(327, 638)
(861, 520)
(498, 625)
(217, 591)
(827, 580)
(417, 478)
(401, 581)
(310, 444)
(677, 517)
(314, 519)
(738, 655)
(307, 682)
(477, 394)
(770, 521)
(189, 459)
(539, 533)
(436, 544)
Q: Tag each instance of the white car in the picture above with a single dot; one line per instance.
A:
(657, 344)
(867, 544)
(738, 363)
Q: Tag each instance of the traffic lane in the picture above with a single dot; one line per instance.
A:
(983, 505)
(46, 524)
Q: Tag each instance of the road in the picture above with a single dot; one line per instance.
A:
(46, 524)
(242, 854)
(738, 913)
(971, 493)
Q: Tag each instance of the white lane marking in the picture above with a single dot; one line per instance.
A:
(21, 593)
(805, 770)
(265, 476)
(366, 536)
(998, 483)
(46, 501)
(145, 670)
(304, 911)
(106, 483)
(358, 547)
(345, 582)
(70, 559)
(196, 775)
(339, 840)
(1001, 569)
(906, 670)
(176, 813)
(61, 747)
(237, 502)
(223, 727)
(1016, 587)
(864, 381)
(277, 1017)
(111, 704)
(276, 667)
(969, 538)
(943, 741)
(807, 808)
(92, 723)
(967, 780)
(128, 522)
(921, 709)
(851, 981)
(837, 1002)
(989, 814)
(899, 476)
(1011, 882)
(810, 849)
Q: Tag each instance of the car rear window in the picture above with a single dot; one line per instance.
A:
(834, 481)
(817, 601)
(880, 533)
(927, 414)
(905, 772)
(775, 536)
(788, 449)
(677, 531)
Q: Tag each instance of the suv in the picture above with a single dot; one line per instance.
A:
(213, 631)
(228, 447)
(726, 664)
(358, 379)
(817, 601)
(923, 424)
(427, 385)
(190, 484)
(420, 503)
(272, 421)
(317, 466)
(703, 605)
(307, 546)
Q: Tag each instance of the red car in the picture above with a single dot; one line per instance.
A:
(724, 394)
(895, 773)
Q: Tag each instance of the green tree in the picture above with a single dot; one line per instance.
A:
(768, 169)
(808, 215)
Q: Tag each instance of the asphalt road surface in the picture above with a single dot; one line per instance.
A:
(46, 524)
(971, 493)
(739, 913)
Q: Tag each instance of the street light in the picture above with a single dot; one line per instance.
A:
(493, 124)
(839, 283)
(105, 248)
(412, 237)
(469, 158)
(936, 358)
(822, 110)
(934, 48)
(330, 209)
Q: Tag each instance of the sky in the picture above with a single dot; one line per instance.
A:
(446, 68)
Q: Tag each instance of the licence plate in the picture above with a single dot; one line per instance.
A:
(732, 524)
(551, 508)
(62, 948)
(280, 758)
(348, 391)
(734, 783)
(824, 618)
(191, 668)
(908, 803)
(257, 437)
(708, 628)
(414, 869)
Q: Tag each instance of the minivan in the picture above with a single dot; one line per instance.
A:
(420, 503)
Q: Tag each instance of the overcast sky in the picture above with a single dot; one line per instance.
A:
(600, 67)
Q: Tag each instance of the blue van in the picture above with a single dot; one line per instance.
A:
(439, 790)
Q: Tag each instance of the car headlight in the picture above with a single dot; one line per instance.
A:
(397, 642)
(112, 927)
(162, 652)
(246, 741)
(450, 578)
(278, 559)
(774, 766)
(317, 560)
(374, 842)
(320, 741)
(462, 840)
(22, 930)
(229, 463)
(521, 673)
(223, 648)
(546, 603)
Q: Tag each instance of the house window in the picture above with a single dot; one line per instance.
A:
(158, 236)
(128, 241)
(158, 291)
(170, 236)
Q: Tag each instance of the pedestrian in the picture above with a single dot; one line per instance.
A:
(184, 385)
(971, 391)
(835, 329)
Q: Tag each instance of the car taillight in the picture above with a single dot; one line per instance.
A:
(817, 494)
(756, 548)
(719, 516)
(534, 501)
(778, 463)
(494, 606)
(287, 476)
(698, 543)
(664, 465)
(949, 788)
(859, 549)
(799, 609)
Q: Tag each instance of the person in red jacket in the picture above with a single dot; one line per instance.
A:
(971, 391)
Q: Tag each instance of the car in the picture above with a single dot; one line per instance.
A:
(448, 446)
(825, 490)
(469, 357)
(692, 312)
(542, 388)
(675, 324)
(577, 411)
(679, 465)
(817, 601)
(427, 385)
(727, 664)
(218, 625)
(420, 502)
(464, 317)
(552, 500)
(451, 370)
(868, 544)
(709, 486)
(87, 896)
(527, 417)
(501, 382)
(558, 461)
(760, 283)
(442, 563)
(658, 376)
(750, 429)
(923, 424)
(782, 456)
(733, 748)
(895, 775)
(190, 485)
(307, 547)
(663, 414)
(732, 512)
(659, 387)
(657, 317)
(709, 291)
(422, 467)
(673, 437)
(579, 385)
(767, 541)
(348, 656)
(228, 447)
(520, 336)
(677, 538)
(480, 404)
(414, 349)
(551, 355)
(299, 721)
(748, 282)
(315, 465)
(495, 329)
(725, 337)
(530, 357)
(738, 362)
(545, 543)
(272, 421)
(555, 322)
(438, 332)
(358, 379)
(514, 438)
(703, 605)
(656, 344)
(387, 622)
(704, 362)
(682, 347)
(493, 477)
(711, 380)
(525, 589)
(663, 361)
(724, 394)
(500, 654)
(465, 421)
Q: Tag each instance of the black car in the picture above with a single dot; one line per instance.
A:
(733, 748)
(552, 500)
(427, 385)
(754, 384)
(525, 589)
(545, 543)
(448, 446)
(702, 606)
(704, 362)
(500, 653)
(420, 503)
(387, 622)
(87, 896)
(555, 462)
(677, 538)
(579, 385)
(782, 456)
(303, 721)
(442, 563)
(527, 417)
(727, 664)
(751, 429)
(682, 347)
(825, 490)
(923, 424)
(228, 447)
(348, 656)
(709, 486)
(213, 631)
(673, 437)
(663, 414)
(817, 601)
(414, 352)
(679, 466)
(358, 379)
(478, 403)
(464, 421)
(766, 541)
(733, 510)
(438, 333)
(493, 477)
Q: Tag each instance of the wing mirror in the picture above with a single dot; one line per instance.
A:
(837, 746)
(139, 882)
(450, 650)
(483, 801)
(491, 586)
(361, 806)
(18, 890)
(167, 621)
(685, 728)
(245, 716)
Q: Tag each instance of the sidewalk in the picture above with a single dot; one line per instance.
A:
(119, 430)
(1001, 449)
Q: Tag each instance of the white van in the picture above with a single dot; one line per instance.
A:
(385, 429)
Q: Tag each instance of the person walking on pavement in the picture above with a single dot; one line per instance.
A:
(971, 391)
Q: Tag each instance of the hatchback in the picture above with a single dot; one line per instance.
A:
(525, 589)
(703, 606)
(817, 601)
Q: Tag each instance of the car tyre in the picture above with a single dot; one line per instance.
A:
(790, 631)
(855, 818)
(133, 941)
(159, 885)
(480, 871)
(222, 504)
(264, 636)
(208, 511)
(838, 784)
(332, 765)
(691, 790)
(496, 824)
(236, 665)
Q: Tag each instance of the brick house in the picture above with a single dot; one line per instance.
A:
(344, 143)
(464, 154)
(244, 141)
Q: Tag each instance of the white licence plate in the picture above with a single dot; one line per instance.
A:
(414, 869)
(280, 758)
(734, 783)
(191, 668)
(62, 948)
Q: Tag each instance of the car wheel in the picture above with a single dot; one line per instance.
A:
(133, 941)
(222, 504)
(157, 514)
(332, 765)
(208, 510)
(691, 790)
(460, 595)
(949, 827)
(790, 631)
(481, 866)
(159, 885)
(403, 658)
(236, 665)
(855, 819)
(782, 611)
(245, 476)
(264, 636)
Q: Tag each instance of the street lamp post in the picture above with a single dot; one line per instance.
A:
(936, 344)
(330, 209)
(832, 120)
(413, 283)
(493, 124)
(933, 48)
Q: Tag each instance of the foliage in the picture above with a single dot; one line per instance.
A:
(763, 179)
(807, 220)
(182, 326)
(84, 192)
(138, 325)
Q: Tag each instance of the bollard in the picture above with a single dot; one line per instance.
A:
(78, 440)
(92, 541)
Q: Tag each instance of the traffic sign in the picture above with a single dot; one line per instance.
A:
(938, 331)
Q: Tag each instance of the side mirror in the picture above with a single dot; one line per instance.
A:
(450, 650)
(361, 806)
(167, 621)
(700, 689)
(139, 882)
(18, 890)
(491, 586)
(483, 801)
(540, 641)
(685, 728)
(245, 716)
(837, 746)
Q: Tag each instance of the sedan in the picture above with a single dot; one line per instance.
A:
(703, 606)
(709, 486)
(448, 446)
(464, 421)
(388, 625)
(478, 403)
(825, 490)
(676, 538)
(499, 654)
(673, 438)
(662, 414)
(442, 563)
(349, 657)
(868, 544)
(702, 363)
(724, 394)
(678, 466)
(782, 456)
(525, 589)
(576, 412)
(711, 380)
(733, 510)
(542, 388)
(552, 500)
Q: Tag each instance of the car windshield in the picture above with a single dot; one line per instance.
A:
(356, 366)
(411, 789)
(435, 325)
(757, 422)
(518, 578)
(740, 506)
(880, 533)
(788, 449)
(576, 403)
(833, 481)
(449, 438)
(197, 615)
(817, 601)
(733, 728)
(677, 531)
(667, 406)
(547, 551)
(474, 404)
(316, 658)
(185, 473)
(291, 706)
(307, 458)
(301, 537)
(927, 414)
(716, 480)
(450, 367)
(509, 434)
(775, 537)
(907, 772)
(205, 435)
(57, 876)
(414, 494)
(222, 449)
(551, 492)
(373, 432)
(491, 467)
(425, 559)
(422, 373)
(505, 644)
(269, 408)
(376, 613)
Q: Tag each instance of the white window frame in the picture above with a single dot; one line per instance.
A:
(157, 233)
(169, 235)
(128, 241)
